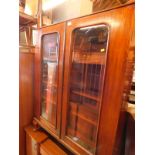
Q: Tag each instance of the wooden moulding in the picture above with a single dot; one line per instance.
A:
(47, 126)
(37, 135)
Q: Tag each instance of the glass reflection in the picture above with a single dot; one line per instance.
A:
(49, 77)
(89, 46)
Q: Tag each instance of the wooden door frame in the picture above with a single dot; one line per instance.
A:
(60, 28)
(120, 21)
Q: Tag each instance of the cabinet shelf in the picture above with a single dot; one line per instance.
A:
(87, 95)
(86, 107)
(25, 19)
(84, 118)
(89, 57)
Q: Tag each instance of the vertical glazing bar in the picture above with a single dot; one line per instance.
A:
(95, 77)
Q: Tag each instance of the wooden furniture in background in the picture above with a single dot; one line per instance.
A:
(50, 148)
(26, 75)
(99, 5)
(26, 71)
(33, 140)
(25, 23)
(25, 19)
(49, 76)
(95, 53)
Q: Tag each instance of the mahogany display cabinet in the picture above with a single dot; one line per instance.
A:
(79, 79)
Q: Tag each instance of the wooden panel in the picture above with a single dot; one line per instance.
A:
(37, 135)
(26, 62)
(37, 76)
(112, 98)
(50, 148)
(33, 140)
(115, 73)
(119, 147)
(32, 148)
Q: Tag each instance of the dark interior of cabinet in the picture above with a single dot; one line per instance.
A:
(89, 46)
(49, 77)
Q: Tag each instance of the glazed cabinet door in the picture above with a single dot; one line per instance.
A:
(93, 79)
(49, 77)
(85, 86)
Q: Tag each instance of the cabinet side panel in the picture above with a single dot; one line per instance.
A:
(113, 90)
(26, 61)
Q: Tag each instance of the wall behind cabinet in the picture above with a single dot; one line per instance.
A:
(72, 9)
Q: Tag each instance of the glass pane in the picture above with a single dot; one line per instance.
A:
(22, 38)
(49, 77)
(89, 46)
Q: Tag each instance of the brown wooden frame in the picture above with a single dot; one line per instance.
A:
(60, 28)
(120, 21)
